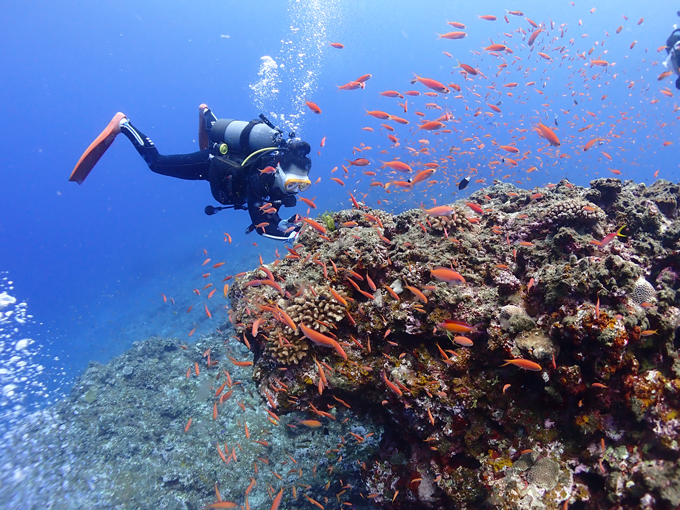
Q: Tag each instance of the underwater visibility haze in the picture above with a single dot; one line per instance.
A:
(478, 303)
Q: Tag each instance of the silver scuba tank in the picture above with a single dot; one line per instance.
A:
(235, 135)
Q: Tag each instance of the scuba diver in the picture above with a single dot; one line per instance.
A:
(249, 165)
(672, 62)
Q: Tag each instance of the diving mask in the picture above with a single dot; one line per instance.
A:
(293, 180)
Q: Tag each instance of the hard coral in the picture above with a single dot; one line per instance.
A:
(574, 211)
(319, 312)
(643, 291)
(544, 473)
(290, 352)
(456, 221)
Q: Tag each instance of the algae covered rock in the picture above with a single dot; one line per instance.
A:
(515, 319)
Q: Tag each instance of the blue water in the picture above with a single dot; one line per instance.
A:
(91, 261)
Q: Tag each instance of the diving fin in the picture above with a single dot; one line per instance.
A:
(96, 149)
(203, 140)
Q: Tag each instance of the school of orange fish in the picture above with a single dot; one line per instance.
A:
(435, 136)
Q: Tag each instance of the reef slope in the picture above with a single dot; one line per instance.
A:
(577, 287)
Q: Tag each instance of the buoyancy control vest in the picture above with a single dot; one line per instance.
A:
(228, 180)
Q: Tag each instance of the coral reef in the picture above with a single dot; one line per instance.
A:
(537, 366)
(121, 439)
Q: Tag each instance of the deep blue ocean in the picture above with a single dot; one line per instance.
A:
(87, 265)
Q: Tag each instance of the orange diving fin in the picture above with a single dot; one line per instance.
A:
(203, 140)
(96, 149)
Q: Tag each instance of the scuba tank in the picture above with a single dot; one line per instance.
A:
(244, 137)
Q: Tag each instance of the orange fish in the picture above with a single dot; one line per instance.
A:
(463, 340)
(221, 504)
(453, 35)
(431, 126)
(352, 85)
(308, 202)
(321, 339)
(524, 364)
(315, 225)
(475, 207)
(431, 84)
(488, 17)
(277, 500)
(440, 210)
(590, 144)
(391, 385)
(339, 181)
(454, 326)
(398, 119)
(417, 293)
(422, 175)
(447, 275)
(241, 363)
(378, 114)
(337, 45)
(534, 35)
(359, 162)
(547, 133)
(468, 69)
(313, 106)
(396, 165)
(311, 423)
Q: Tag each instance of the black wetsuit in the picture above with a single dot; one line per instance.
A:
(673, 60)
(245, 188)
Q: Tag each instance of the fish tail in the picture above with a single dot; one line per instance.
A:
(415, 79)
(618, 232)
(476, 327)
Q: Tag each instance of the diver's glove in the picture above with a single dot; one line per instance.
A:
(290, 223)
(292, 238)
